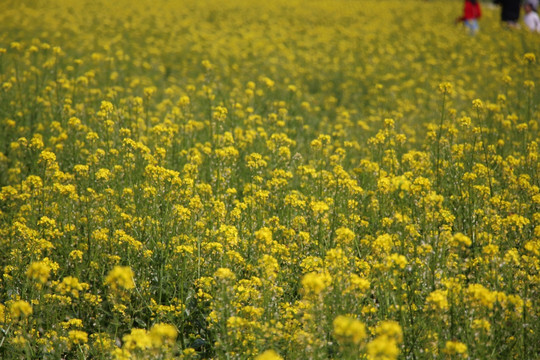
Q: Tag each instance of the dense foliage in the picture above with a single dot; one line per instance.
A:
(295, 179)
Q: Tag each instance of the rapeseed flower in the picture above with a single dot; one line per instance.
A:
(316, 283)
(349, 329)
(162, 335)
(72, 286)
(20, 309)
(120, 278)
(268, 355)
(78, 337)
(382, 348)
(455, 348)
(224, 274)
(438, 300)
(39, 271)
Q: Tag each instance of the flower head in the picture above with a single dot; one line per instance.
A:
(120, 278)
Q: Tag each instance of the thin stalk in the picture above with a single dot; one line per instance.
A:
(438, 145)
(484, 146)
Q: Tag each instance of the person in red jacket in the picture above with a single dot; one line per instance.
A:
(471, 14)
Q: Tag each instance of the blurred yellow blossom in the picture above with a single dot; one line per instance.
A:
(120, 277)
(20, 308)
(349, 329)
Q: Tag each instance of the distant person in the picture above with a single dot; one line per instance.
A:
(510, 12)
(531, 18)
(471, 14)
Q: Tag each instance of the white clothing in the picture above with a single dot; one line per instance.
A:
(532, 20)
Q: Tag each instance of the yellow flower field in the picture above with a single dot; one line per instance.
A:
(289, 179)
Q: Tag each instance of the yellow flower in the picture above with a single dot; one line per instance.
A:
(19, 341)
(455, 348)
(446, 88)
(47, 157)
(120, 277)
(184, 101)
(383, 244)
(39, 271)
(103, 174)
(481, 324)
(529, 58)
(319, 207)
(149, 91)
(481, 296)
(78, 337)
(382, 348)
(20, 308)
(224, 274)
(269, 266)
(207, 65)
(460, 239)
(344, 236)
(438, 300)
(121, 354)
(72, 323)
(315, 283)
(137, 339)
(81, 170)
(349, 329)
(478, 104)
(311, 263)
(71, 285)
(162, 334)
(320, 142)
(391, 329)
(255, 161)
(220, 113)
(264, 236)
(336, 260)
(106, 108)
(359, 283)
(76, 255)
(268, 355)
(103, 342)
(398, 260)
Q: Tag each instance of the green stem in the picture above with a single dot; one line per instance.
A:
(484, 147)
(439, 135)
